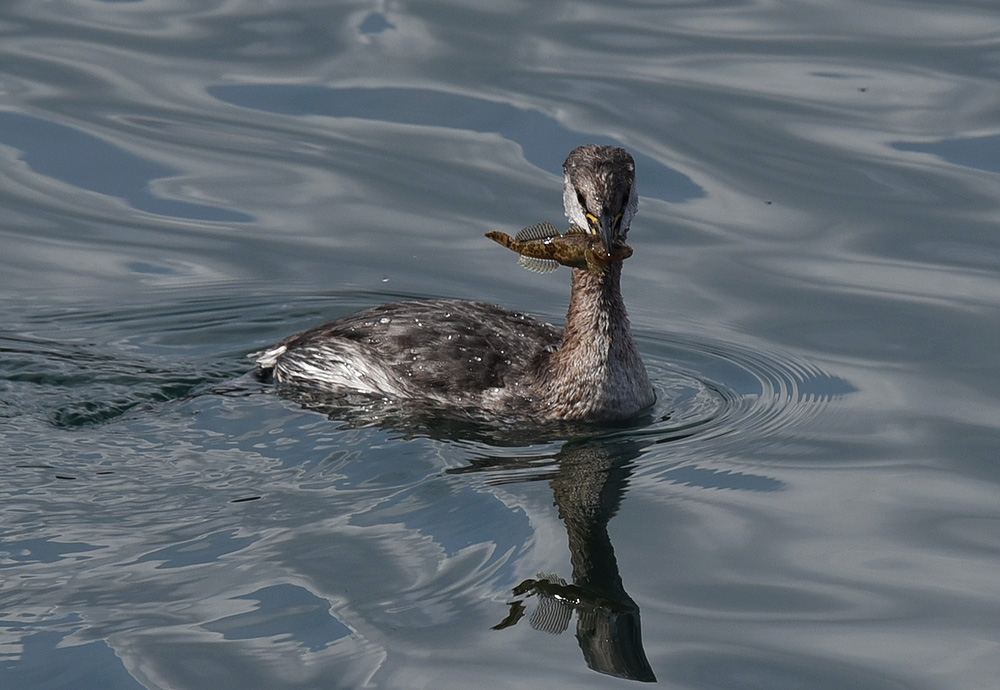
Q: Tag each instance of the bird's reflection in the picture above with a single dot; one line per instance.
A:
(588, 479)
(588, 483)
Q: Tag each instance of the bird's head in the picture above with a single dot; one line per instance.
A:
(599, 193)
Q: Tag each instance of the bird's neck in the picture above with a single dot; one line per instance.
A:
(597, 371)
(597, 318)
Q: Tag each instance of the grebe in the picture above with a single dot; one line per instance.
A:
(483, 360)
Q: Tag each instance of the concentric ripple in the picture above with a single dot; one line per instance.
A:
(706, 388)
(709, 389)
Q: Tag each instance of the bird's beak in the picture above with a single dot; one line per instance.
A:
(609, 229)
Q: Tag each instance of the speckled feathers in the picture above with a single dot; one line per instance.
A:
(473, 358)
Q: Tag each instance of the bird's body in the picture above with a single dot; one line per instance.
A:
(483, 360)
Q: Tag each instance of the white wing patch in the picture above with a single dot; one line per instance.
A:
(266, 358)
(338, 366)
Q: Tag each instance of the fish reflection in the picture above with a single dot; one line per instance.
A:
(542, 248)
(588, 483)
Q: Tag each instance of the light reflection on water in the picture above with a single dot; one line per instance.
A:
(811, 503)
(69, 156)
(431, 522)
(542, 138)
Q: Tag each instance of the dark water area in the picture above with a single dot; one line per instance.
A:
(813, 502)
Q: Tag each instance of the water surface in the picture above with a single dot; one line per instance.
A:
(813, 501)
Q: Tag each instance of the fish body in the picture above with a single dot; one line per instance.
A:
(542, 248)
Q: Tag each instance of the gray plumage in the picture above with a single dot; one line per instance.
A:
(484, 360)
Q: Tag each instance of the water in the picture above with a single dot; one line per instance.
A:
(813, 502)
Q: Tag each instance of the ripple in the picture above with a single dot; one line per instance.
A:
(75, 385)
(65, 154)
(707, 389)
(710, 390)
(119, 361)
(543, 139)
